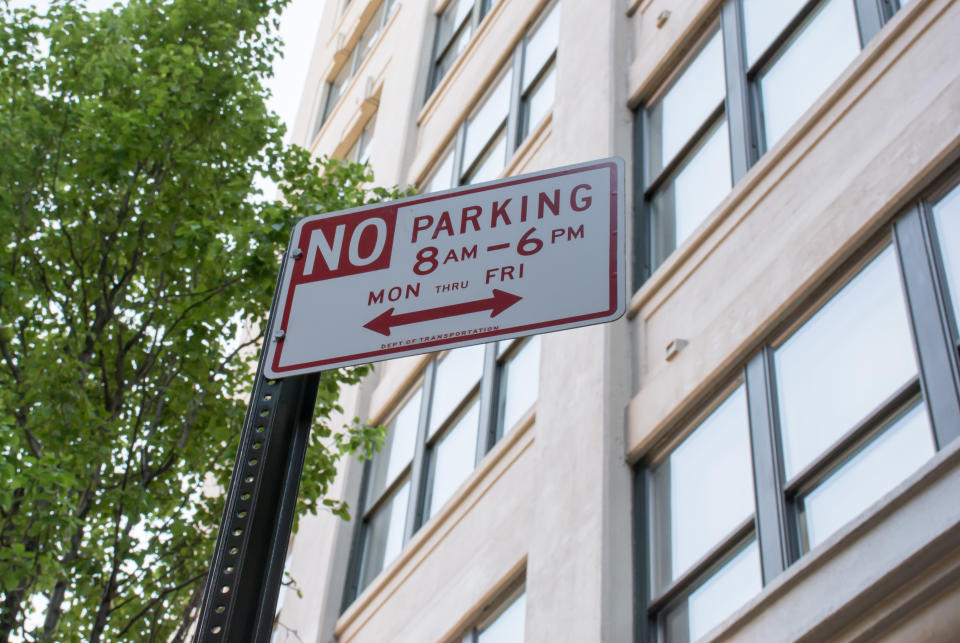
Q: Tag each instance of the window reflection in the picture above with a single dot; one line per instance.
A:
(810, 62)
(520, 383)
(539, 101)
(689, 118)
(384, 538)
(454, 457)
(398, 445)
(715, 599)
(688, 104)
(485, 122)
(538, 77)
(442, 178)
(833, 372)
(946, 215)
(763, 21)
(508, 626)
(704, 489)
(699, 186)
(871, 473)
(457, 373)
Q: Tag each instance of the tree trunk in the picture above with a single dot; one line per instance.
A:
(8, 613)
(103, 612)
(52, 616)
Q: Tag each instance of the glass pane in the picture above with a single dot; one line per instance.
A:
(878, 468)
(367, 40)
(540, 100)
(492, 164)
(848, 358)
(763, 21)
(457, 373)
(810, 63)
(336, 90)
(946, 215)
(446, 60)
(384, 537)
(703, 183)
(687, 104)
(452, 18)
(700, 185)
(442, 178)
(508, 628)
(487, 120)
(705, 488)
(540, 46)
(486, 6)
(521, 382)
(724, 592)
(361, 151)
(398, 447)
(454, 458)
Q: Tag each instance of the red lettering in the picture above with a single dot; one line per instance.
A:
(553, 206)
(582, 204)
(499, 212)
(464, 218)
(420, 224)
(444, 224)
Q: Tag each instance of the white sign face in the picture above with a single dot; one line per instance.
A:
(518, 256)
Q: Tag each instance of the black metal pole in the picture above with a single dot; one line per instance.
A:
(240, 595)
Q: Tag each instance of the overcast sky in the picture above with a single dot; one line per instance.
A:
(298, 28)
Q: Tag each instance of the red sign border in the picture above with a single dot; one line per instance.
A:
(358, 358)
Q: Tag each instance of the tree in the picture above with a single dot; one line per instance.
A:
(132, 257)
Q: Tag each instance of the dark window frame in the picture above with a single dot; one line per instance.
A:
(741, 107)
(439, 51)
(778, 521)
(419, 472)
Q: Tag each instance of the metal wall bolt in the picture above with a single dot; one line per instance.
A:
(674, 348)
(662, 18)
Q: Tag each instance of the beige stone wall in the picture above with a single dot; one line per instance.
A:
(552, 502)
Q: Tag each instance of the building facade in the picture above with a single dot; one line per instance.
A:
(764, 448)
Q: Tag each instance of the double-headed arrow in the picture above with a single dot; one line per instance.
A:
(497, 304)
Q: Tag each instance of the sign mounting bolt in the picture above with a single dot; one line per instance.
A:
(296, 253)
(279, 335)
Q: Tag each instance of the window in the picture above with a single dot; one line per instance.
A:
(454, 423)
(466, 400)
(833, 387)
(455, 26)
(442, 177)
(946, 215)
(505, 624)
(747, 82)
(689, 154)
(707, 562)
(822, 423)
(485, 134)
(538, 77)
(519, 364)
(360, 151)
(516, 102)
(388, 491)
(354, 59)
